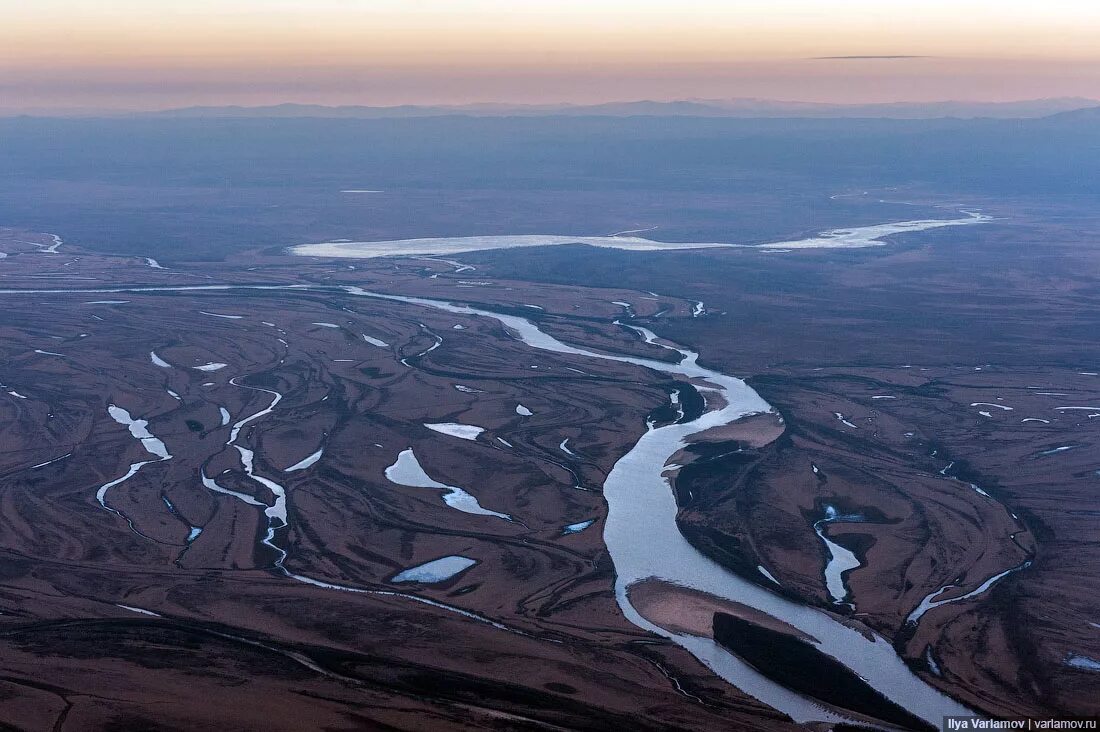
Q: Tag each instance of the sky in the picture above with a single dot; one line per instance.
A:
(155, 54)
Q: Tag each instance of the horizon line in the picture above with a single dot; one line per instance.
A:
(549, 106)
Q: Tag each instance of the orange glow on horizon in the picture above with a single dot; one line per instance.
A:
(327, 45)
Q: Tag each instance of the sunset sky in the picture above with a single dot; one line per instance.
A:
(148, 54)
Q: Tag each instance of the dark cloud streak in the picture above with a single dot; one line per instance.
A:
(865, 58)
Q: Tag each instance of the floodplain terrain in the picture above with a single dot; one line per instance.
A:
(313, 491)
(548, 487)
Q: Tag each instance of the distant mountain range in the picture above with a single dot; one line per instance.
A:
(1088, 114)
(736, 108)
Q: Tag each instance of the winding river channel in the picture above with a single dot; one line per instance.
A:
(644, 541)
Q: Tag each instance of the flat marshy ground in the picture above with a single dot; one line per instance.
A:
(112, 605)
(260, 564)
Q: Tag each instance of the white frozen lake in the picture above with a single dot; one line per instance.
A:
(871, 236)
(463, 244)
(935, 599)
(305, 462)
(437, 570)
(841, 559)
(850, 238)
(577, 527)
(454, 429)
(1078, 661)
(375, 341)
(139, 429)
(407, 471)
